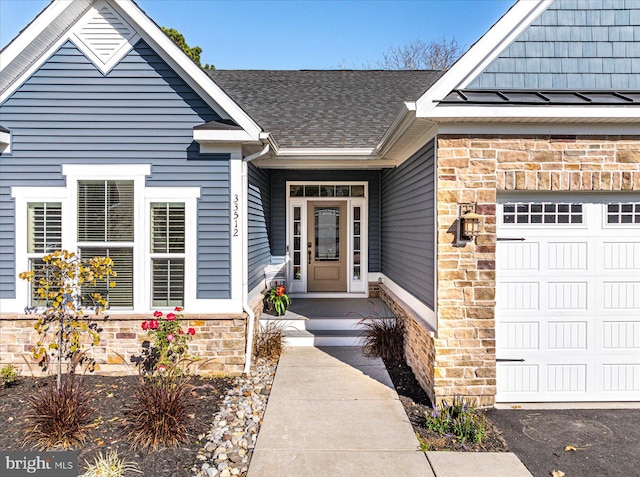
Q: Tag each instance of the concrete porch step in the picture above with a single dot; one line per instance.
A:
(302, 323)
(322, 338)
(326, 321)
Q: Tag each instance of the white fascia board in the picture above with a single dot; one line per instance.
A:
(326, 152)
(35, 28)
(203, 136)
(310, 163)
(399, 125)
(196, 78)
(542, 128)
(485, 50)
(577, 113)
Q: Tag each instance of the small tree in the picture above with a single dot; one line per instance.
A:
(60, 284)
(420, 55)
(192, 52)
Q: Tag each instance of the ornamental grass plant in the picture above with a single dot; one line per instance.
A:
(270, 341)
(60, 416)
(383, 336)
(110, 465)
(159, 413)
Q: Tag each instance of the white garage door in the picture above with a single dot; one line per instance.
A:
(568, 298)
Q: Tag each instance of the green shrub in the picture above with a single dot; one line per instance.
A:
(8, 375)
(458, 419)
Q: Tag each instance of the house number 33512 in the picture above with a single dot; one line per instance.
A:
(236, 215)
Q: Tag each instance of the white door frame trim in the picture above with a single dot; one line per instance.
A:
(355, 288)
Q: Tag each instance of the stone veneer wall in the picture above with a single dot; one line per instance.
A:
(474, 169)
(220, 340)
(419, 350)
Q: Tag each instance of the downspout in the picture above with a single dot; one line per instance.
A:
(245, 251)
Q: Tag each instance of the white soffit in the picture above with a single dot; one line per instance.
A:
(104, 36)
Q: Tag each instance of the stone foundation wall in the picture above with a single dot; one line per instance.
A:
(474, 169)
(219, 342)
(374, 290)
(419, 350)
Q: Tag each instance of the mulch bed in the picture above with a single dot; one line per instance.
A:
(110, 396)
(416, 403)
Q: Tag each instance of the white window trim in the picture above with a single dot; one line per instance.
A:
(67, 196)
(355, 289)
(23, 197)
(189, 197)
(105, 172)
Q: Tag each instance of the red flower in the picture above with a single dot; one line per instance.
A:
(181, 332)
(191, 331)
(145, 325)
(281, 290)
(153, 324)
(171, 317)
(157, 314)
(178, 308)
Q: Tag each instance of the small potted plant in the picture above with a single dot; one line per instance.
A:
(277, 300)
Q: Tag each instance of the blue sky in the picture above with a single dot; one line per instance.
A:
(298, 34)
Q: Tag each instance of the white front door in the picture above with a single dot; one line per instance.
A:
(327, 239)
(568, 298)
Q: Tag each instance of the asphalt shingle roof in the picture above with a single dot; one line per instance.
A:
(327, 108)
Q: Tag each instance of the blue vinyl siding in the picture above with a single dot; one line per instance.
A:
(141, 112)
(573, 45)
(259, 215)
(408, 225)
(279, 205)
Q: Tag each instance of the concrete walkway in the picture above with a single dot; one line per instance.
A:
(333, 412)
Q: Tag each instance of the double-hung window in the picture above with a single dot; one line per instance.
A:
(167, 253)
(106, 229)
(44, 236)
(108, 211)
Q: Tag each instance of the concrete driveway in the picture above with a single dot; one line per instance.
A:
(607, 441)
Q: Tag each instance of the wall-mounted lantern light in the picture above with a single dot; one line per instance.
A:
(468, 223)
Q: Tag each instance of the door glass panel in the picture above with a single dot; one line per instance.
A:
(356, 243)
(327, 232)
(297, 244)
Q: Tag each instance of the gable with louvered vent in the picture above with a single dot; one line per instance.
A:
(105, 37)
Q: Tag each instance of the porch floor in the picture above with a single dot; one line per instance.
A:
(327, 308)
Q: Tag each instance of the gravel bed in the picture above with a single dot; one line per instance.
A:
(229, 443)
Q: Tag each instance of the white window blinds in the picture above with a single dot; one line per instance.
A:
(44, 227)
(167, 253)
(122, 294)
(105, 211)
(105, 229)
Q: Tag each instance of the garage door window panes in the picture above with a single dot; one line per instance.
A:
(623, 213)
(542, 213)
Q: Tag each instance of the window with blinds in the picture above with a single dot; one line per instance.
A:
(44, 227)
(122, 294)
(105, 229)
(44, 236)
(167, 253)
(105, 211)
